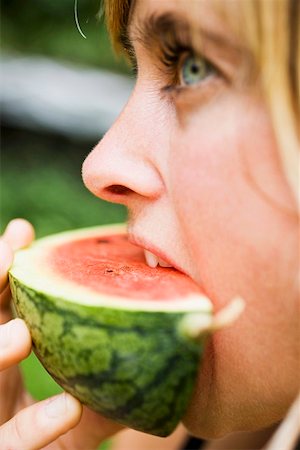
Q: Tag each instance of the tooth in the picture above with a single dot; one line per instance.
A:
(151, 259)
(163, 263)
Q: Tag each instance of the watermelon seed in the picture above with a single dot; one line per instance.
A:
(102, 241)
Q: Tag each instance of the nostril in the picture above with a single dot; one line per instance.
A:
(118, 189)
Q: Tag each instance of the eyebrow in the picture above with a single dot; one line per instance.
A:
(155, 29)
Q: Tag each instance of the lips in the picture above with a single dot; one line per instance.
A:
(153, 255)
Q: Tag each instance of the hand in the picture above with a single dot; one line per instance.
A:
(56, 423)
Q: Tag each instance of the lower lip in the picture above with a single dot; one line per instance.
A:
(140, 243)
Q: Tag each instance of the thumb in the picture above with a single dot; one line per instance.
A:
(40, 424)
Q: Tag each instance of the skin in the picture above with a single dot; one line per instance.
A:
(203, 183)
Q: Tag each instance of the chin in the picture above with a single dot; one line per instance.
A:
(204, 424)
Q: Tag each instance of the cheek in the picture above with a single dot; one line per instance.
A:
(230, 196)
(206, 170)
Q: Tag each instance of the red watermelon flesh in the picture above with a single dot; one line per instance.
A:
(111, 265)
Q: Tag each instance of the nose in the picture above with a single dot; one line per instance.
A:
(123, 167)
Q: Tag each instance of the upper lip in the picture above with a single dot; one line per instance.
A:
(146, 245)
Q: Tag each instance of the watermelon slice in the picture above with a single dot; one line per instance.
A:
(113, 332)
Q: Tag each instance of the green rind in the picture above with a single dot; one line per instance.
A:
(134, 367)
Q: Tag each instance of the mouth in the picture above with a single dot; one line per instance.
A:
(154, 256)
(153, 261)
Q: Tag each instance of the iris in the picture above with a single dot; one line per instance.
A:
(194, 70)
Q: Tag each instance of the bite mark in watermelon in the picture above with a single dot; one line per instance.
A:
(108, 328)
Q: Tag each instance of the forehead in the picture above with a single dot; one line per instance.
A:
(211, 15)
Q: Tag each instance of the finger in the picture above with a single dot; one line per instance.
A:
(19, 233)
(5, 312)
(40, 424)
(15, 343)
(6, 259)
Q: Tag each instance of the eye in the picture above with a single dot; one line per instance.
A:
(194, 69)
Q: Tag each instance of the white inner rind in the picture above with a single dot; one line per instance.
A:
(30, 269)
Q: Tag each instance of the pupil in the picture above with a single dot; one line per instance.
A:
(194, 68)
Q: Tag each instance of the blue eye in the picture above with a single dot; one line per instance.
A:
(194, 69)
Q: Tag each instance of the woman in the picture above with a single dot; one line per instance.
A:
(205, 157)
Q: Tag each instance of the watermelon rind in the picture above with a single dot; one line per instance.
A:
(133, 364)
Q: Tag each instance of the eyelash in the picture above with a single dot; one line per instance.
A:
(172, 53)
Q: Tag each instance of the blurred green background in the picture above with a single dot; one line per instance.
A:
(41, 171)
(47, 27)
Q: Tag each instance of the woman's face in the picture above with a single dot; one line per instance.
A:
(194, 158)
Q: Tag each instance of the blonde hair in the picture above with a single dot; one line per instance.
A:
(271, 30)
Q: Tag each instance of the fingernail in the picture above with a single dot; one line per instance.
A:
(5, 335)
(57, 406)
